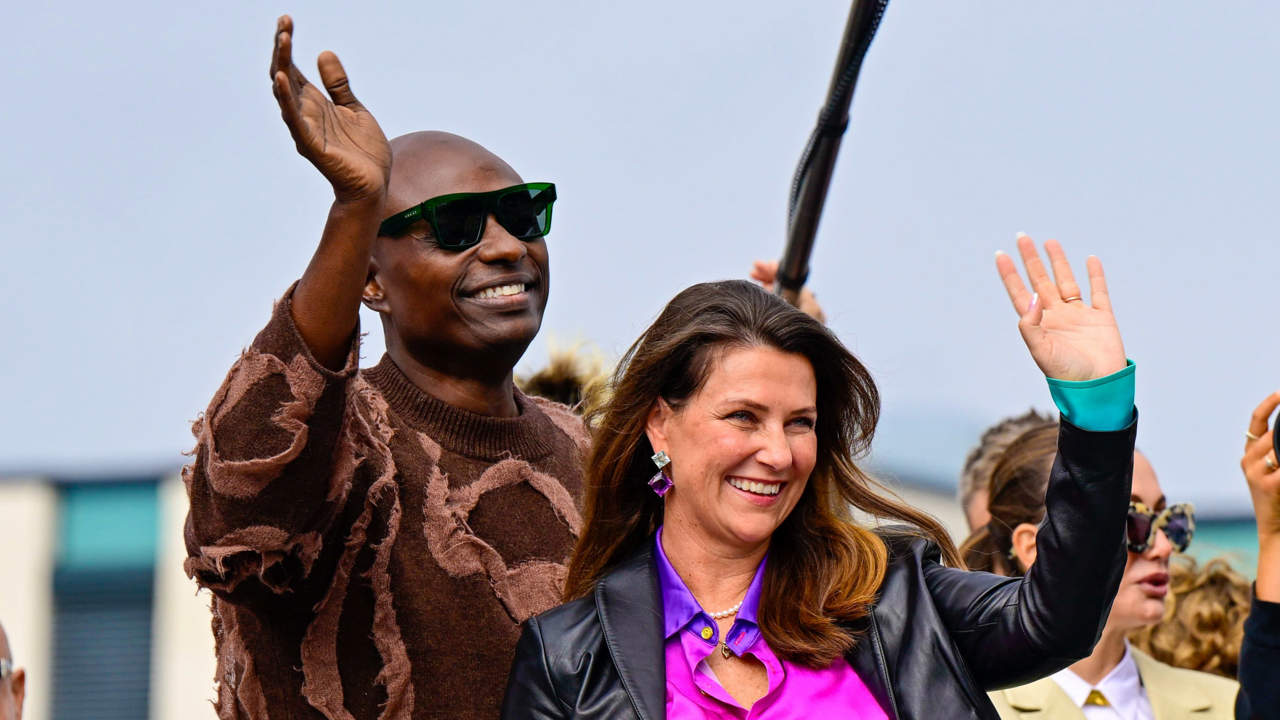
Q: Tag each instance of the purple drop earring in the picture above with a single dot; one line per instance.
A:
(660, 482)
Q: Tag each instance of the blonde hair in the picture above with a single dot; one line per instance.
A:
(1203, 623)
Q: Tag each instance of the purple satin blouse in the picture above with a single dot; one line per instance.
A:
(795, 691)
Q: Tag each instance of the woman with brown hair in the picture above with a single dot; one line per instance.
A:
(733, 582)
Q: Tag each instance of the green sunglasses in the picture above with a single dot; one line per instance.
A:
(457, 220)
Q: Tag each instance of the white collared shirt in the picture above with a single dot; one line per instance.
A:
(1122, 687)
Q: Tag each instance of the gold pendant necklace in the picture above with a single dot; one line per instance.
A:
(724, 647)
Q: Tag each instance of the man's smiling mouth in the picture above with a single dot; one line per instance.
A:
(498, 291)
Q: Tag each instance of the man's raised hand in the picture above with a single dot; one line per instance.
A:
(1069, 338)
(336, 133)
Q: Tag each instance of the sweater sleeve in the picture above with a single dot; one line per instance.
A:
(276, 454)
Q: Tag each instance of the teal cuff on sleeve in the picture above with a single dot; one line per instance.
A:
(1104, 404)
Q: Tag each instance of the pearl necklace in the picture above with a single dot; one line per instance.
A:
(724, 647)
(726, 613)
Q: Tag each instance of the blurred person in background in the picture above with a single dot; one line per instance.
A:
(13, 682)
(1116, 681)
(1203, 623)
(1260, 653)
(1014, 499)
(374, 537)
(976, 475)
(571, 377)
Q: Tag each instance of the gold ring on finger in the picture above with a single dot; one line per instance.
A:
(1251, 436)
(1073, 298)
(1270, 462)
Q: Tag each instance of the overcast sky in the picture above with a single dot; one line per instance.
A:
(152, 205)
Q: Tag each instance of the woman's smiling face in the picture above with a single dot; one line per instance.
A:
(742, 447)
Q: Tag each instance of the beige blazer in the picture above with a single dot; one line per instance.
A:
(1175, 694)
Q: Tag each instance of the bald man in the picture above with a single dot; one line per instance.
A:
(13, 682)
(374, 537)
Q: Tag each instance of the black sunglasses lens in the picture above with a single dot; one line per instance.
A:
(1137, 530)
(526, 212)
(460, 223)
(1179, 531)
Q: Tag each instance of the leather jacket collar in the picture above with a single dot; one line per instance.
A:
(628, 603)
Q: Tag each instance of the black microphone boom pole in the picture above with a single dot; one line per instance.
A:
(813, 174)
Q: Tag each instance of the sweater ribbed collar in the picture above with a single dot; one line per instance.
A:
(481, 437)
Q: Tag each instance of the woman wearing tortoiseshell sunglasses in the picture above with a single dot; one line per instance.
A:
(1116, 681)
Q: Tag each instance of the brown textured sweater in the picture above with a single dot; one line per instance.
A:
(372, 550)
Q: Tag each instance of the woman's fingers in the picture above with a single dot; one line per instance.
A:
(1028, 305)
(1035, 312)
(1259, 462)
(1018, 293)
(1037, 275)
(1258, 421)
(1261, 447)
(1098, 296)
(1052, 291)
(1066, 280)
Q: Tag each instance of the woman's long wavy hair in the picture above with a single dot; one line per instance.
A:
(824, 570)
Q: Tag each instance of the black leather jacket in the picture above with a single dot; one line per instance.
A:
(936, 640)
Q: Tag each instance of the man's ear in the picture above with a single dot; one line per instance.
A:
(1024, 544)
(18, 685)
(374, 297)
(655, 425)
